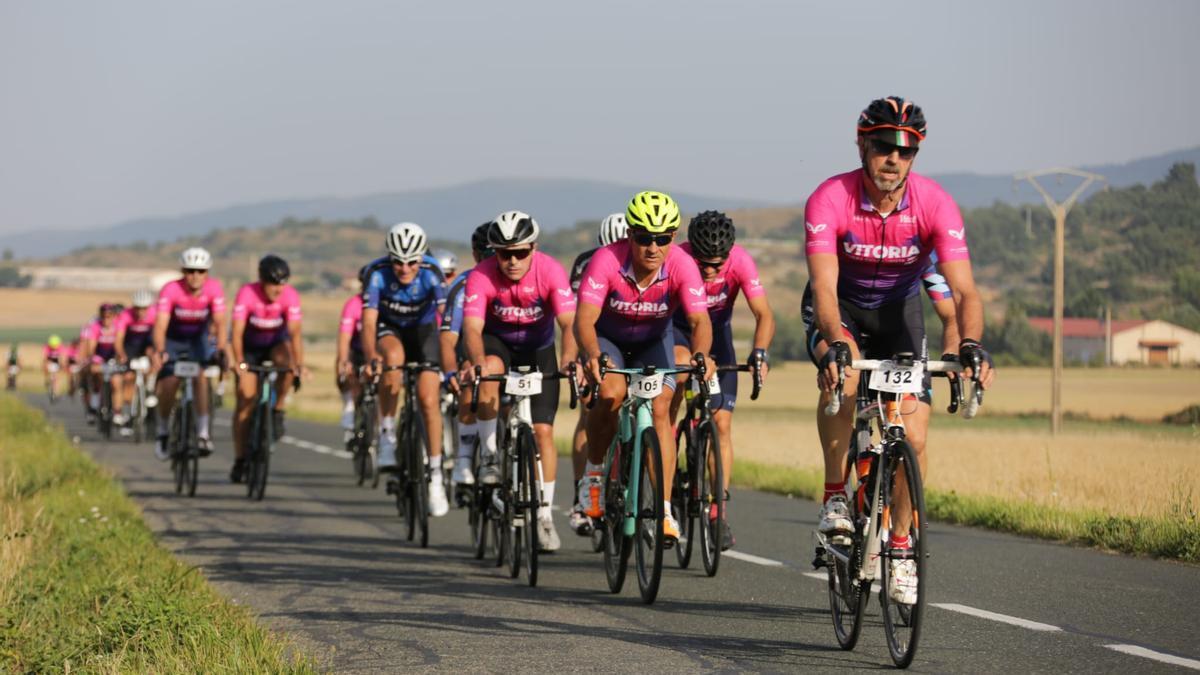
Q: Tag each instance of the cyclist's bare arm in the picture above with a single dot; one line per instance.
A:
(764, 325)
(823, 276)
(473, 340)
(946, 312)
(586, 339)
(295, 333)
(370, 319)
(701, 329)
(570, 348)
(342, 353)
(161, 321)
(968, 306)
(219, 326)
(239, 331)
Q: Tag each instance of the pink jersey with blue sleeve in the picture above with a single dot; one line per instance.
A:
(739, 274)
(190, 314)
(881, 258)
(629, 314)
(351, 321)
(520, 313)
(266, 320)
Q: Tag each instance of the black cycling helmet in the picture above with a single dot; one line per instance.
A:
(894, 120)
(711, 234)
(479, 240)
(273, 270)
(362, 274)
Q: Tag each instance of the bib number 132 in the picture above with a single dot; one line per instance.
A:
(898, 379)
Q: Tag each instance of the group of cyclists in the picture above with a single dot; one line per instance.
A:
(875, 236)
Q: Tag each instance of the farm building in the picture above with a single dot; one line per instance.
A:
(98, 278)
(1132, 342)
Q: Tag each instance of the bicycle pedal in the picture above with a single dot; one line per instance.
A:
(392, 487)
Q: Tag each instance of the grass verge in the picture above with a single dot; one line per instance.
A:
(84, 585)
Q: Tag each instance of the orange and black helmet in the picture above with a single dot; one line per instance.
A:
(893, 120)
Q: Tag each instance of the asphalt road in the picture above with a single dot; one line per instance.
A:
(325, 562)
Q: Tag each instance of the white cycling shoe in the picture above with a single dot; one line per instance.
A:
(438, 504)
(835, 517)
(548, 540)
(462, 472)
(387, 452)
(902, 587)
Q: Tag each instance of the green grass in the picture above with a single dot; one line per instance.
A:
(84, 586)
(35, 335)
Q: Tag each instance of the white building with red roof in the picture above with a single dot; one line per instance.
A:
(1132, 342)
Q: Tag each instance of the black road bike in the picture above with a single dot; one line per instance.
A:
(410, 483)
(261, 437)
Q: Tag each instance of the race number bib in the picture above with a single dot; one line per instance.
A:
(646, 386)
(898, 379)
(529, 384)
(714, 386)
(187, 369)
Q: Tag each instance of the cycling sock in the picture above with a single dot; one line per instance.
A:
(387, 425)
(94, 401)
(900, 542)
(832, 490)
(590, 468)
(435, 466)
(467, 433)
(202, 426)
(487, 436)
(347, 401)
(161, 425)
(547, 497)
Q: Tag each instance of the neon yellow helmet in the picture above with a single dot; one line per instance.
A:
(653, 211)
(54, 341)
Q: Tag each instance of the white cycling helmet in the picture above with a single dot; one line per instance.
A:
(613, 228)
(142, 299)
(512, 228)
(195, 258)
(406, 242)
(446, 260)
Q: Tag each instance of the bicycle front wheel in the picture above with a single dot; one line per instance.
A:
(616, 545)
(137, 414)
(710, 482)
(529, 497)
(178, 449)
(419, 477)
(260, 454)
(648, 527)
(106, 411)
(902, 620)
(682, 502)
(192, 449)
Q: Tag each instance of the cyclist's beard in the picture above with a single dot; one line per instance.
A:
(884, 185)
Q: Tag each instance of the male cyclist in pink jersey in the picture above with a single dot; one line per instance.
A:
(54, 359)
(869, 235)
(511, 305)
(100, 336)
(186, 308)
(726, 269)
(266, 327)
(135, 328)
(629, 292)
(348, 356)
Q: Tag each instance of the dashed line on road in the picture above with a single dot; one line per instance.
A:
(1134, 650)
(993, 616)
(757, 560)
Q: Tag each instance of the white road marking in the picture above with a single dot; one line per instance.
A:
(1134, 650)
(746, 557)
(993, 616)
(819, 576)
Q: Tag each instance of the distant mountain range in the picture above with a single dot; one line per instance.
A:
(452, 212)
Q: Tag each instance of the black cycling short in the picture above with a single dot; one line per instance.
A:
(723, 355)
(255, 355)
(880, 333)
(543, 406)
(420, 342)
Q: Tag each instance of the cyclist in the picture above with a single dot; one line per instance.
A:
(513, 301)
(71, 353)
(14, 366)
(135, 326)
(454, 357)
(400, 308)
(349, 356)
(726, 269)
(869, 234)
(629, 292)
(54, 352)
(186, 308)
(612, 228)
(101, 337)
(266, 327)
(447, 262)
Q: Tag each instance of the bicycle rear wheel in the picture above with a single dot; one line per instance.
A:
(617, 546)
(710, 482)
(106, 411)
(682, 491)
(420, 474)
(648, 526)
(902, 622)
(192, 449)
(137, 414)
(260, 454)
(360, 442)
(178, 449)
(529, 497)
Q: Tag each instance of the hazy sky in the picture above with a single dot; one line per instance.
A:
(118, 109)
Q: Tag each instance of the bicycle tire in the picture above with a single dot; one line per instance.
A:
(477, 509)
(358, 446)
(681, 493)
(711, 472)
(174, 442)
(106, 412)
(137, 414)
(848, 597)
(617, 546)
(404, 500)
(901, 624)
(260, 457)
(420, 476)
(193, 449)
(650, 514)
(529, 496)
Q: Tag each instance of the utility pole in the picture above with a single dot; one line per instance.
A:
(1059, 211)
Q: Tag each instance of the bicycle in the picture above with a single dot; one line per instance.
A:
(854, 562)
(698, 492)
(108, 370)
(262, 427)
(449, 408)
(182, 440)
(633, 482)
(410, 484)
(362, 440)
(13, 371)
(52, 369)
(519, 493)
(139, 411)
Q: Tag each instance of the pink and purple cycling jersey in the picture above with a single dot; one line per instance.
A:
(520, 313)
(881, 258)
(132, 327)
(351, 323)
(629, 314)
(105, 338)
(266, 320)
(190, 314)
(739, 274)
(54, 353)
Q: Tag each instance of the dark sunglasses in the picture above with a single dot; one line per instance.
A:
(645, 239)
(406, 263)
(884, 148)
(711, 264)
(195, 271)
(513, 253)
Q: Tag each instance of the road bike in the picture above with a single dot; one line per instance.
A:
(261, 438)
(449, 409)
(362, 440)
(887, 468)
(140, 419)
(513, 505)
(182, 441)
(698, 493)
(52, 369)
(633, 481)
(13, 371)
(410, 484)
(109, 370)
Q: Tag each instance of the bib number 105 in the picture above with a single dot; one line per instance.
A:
(646, 386)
